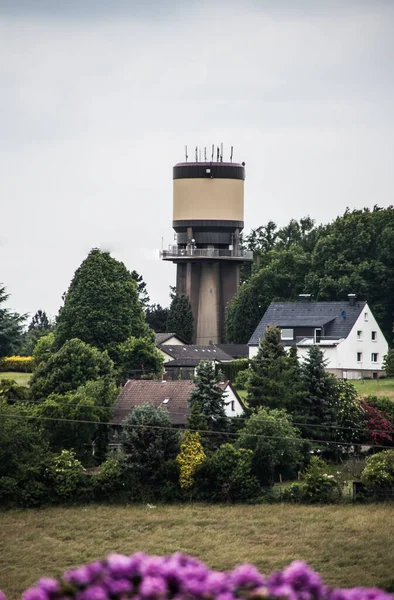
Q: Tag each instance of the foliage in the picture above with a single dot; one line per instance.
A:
(66, 476)
(101, 306)
(230, 370)
(388, 363)
(19, 364)
(379, 470)
(318, 485)
(11, 326)
(275, 442)
(39, 326)
(138, 356)
(273, 378)
(379, 428)
(190, 457)
(349, 413)
(141, 289)
(157, 317)
(209, 398)
(11, 392)
(24, 455)
(280, 276)
(383, 404)
(226, 476)
(109, 481)
(242, 380)
(44, 349)
(73, 365)
(148, 441)
(180, 318)
(90, 404)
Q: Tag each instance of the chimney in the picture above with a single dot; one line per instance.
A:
(352, 299)
(305, 297)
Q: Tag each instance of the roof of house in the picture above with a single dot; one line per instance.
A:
(235, 350)
(193, 355)
(163, 337)
(138, 392)
(171, 395)
(337, 318)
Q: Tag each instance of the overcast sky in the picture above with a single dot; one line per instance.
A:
(98, 99)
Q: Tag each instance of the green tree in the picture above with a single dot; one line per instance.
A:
(207, 400)
(317, 407)
(180, 318)
(190, 457)
(149, 442)
(39, 327)
(24, 456)
(66, 370)
(274, 379)
(11, 327)
(279, 276)
(276, 444)
(157, 317)
(388, 365)
(11, 392)
(141, 289)
(44, 349)
(379, 470)
(101, 306)
(138, 356)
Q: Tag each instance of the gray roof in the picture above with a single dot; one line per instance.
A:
(337, 318)
(163, 337)
(193, 355)
(235, 350)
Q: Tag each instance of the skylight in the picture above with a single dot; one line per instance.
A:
(166, 400)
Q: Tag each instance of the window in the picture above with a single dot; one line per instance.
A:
(359, 356)
(318, 335)
(166, 400)
(365, 316)
(287, 334)
(374, 357)
(374, 336)
(232, 405)
(360, 336)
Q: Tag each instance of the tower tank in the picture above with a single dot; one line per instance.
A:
(208, 216)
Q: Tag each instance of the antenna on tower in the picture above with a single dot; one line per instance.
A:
(205, 154)
(231, 155)
(221, 152)
(217, 154)
(186, 156)
(196, 153)
(213, 152)
(199, 155)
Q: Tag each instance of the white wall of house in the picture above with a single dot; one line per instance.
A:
(232, 405)
(167, 357)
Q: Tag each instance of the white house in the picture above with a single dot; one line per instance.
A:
(346, 332)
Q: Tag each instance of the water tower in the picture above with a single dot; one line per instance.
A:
(208, 216)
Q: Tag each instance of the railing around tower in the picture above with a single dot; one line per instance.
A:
(175, 252)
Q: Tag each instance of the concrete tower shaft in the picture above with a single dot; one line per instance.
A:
(208, 216)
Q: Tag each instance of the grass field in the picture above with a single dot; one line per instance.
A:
(349, 545)
(20, 378)
(375, 387)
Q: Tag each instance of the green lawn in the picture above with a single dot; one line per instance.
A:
(350, 545)
(375, 387)
(20, 378)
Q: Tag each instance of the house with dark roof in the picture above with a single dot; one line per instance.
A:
(346, 331)
(181, 360)
(169, 339)
(172, 396)
(235, 350)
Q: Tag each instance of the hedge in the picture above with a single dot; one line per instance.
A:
(18, 364)
(231, 369)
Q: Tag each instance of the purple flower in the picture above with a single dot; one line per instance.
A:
(152, 587)
(246, 576)
(119, 587)
(35, 594)
(49, 585)
(2, 596)
(79, 577)
(93, 592)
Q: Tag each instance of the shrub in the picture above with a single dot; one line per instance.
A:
(226, 476)
(231, 369)
(67, 476)
(11, 392)
(109, 482)
(379, 471)
(18, 364)
(388, 364)
(242, 379)
(318, 486)
(190, 457)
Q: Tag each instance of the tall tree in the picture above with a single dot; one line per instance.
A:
(274, 380)
(39, 327)
(138, 356)
(180, 318)
(101, 306)
(208, 397)
(11, 327)
(141, 289)
(157, 317)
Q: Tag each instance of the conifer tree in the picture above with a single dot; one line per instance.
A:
(180, 318)
(274, 380)
(207, 399)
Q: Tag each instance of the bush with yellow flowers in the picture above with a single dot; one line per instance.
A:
(190, 457)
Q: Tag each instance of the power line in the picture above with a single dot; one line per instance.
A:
(204, 431)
